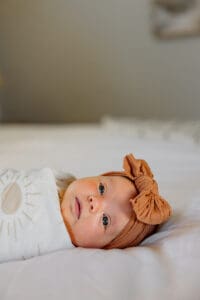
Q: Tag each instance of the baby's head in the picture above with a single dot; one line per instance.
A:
(115, 209)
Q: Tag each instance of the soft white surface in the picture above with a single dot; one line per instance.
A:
(166, 265)
(33, 224)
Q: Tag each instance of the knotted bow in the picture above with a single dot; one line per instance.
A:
(149, 207)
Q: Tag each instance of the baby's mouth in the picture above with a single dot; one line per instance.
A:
(77, 207)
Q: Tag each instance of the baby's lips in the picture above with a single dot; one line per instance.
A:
(77, 208)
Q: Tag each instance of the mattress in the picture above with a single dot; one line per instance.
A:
(165, 265)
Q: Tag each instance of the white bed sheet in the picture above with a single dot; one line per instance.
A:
(166, 265)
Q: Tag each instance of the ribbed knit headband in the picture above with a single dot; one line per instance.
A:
(149, 208)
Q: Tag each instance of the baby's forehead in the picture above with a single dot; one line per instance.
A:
(117, 179)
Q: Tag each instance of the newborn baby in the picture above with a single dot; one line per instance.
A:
(43, 211)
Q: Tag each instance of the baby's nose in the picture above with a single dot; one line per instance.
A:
(94, 204)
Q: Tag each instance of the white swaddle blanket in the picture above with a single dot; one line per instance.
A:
(30, 219)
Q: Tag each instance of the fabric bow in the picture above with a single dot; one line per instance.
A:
(149, 207)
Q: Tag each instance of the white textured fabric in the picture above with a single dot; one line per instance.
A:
(166, 265)
(31, 223)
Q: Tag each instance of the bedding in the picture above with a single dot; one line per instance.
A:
(166, 265)
(30, 204)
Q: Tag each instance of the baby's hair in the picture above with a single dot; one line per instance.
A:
(63, 183)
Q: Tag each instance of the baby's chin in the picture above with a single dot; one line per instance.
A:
(71, 234)
(68, 194)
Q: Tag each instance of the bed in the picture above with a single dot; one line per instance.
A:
(165, 265)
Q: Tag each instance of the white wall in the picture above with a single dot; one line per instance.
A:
(77, 60)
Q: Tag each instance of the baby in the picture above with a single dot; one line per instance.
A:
(42, 211)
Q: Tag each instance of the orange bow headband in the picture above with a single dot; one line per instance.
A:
(149, 208)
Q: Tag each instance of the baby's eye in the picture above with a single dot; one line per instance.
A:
(101, 188)
(105, 220)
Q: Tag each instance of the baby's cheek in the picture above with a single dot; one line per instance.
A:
(84, 235)
(80, 238)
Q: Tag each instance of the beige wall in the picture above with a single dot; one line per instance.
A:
(77, 60)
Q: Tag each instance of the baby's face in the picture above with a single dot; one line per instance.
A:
(96, 209)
